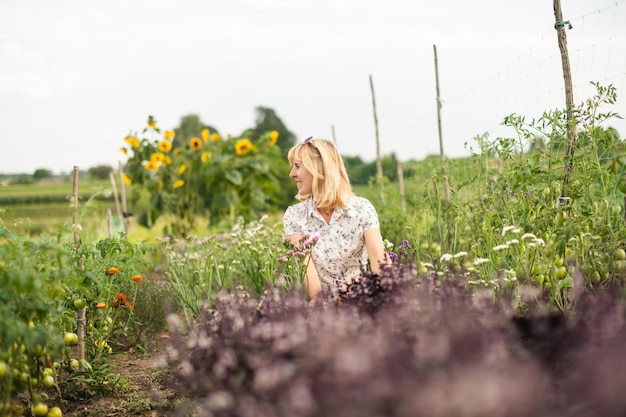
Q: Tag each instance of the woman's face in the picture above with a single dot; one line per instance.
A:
(302, 177)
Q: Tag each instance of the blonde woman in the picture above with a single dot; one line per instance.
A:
(347, 226)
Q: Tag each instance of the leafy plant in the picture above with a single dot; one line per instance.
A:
(219, 178)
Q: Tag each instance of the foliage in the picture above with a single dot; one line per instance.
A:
(44, 286)
(99, 172)
(209, 176)
(434, 349)
(188, 127)
(267, 120)
(530, 233)
(246, 255)
(31, 297)
(42, 173)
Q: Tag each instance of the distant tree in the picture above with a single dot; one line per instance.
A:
(190, 126)
(100, 172)
(267, 120)
(23, 180)
(42, 173)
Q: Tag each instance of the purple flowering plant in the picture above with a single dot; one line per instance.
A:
(293, 264)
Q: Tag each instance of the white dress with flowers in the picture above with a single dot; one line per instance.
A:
(340, 252)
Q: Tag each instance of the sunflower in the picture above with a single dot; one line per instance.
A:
(124, 151)
(195, 143)
(242, 147)
(169, 135)
(178, 184)
(273, 137)
(205, 156)
(165, 146)
(215, 137)
(151, 166)
(126, 179)
(205, 135)
(132, 141)
(157, 157)
(182, 169)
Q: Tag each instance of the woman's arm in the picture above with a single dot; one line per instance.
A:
(311, 278)
(376, 249)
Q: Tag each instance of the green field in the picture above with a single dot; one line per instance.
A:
(46, 208)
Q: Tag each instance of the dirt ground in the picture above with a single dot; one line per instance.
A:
(147, 392)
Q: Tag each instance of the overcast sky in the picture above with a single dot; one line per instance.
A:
(76, 76)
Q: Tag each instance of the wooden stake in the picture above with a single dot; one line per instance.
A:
(124, 208)
(446, 189)
(441, 154)
(81, 319)
(401, 185)
(560, 27)
(379, 165)
(116, 196)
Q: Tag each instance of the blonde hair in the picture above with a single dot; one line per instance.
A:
(331, 185)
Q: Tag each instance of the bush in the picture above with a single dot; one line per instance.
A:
(431, 350)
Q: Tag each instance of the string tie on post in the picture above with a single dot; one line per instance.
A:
(560, 24)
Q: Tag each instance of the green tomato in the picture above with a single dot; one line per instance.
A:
(48, 371)
(595, 276)
(55, 412)
(3, 368)
(39, 410)
(70, 338)
(558, 261)
(80, 303)
(48, 381)
(619, 254)
(535, 269)
(561, 272)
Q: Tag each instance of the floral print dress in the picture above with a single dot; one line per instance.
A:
(340, 252)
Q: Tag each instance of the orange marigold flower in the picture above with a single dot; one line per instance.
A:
(137, 278)
(178, 184)
(195, 143)
(101, 305)
(273, 137)
(205, 135)
(165, 146)
(113, 270)
(215, 137)
(121, 301)
(169, 134)
(243, 146)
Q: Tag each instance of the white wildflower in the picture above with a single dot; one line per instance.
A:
(480, 261)
(506, 229)
(500, 247)
(446, 257)
(460, 255)
(528, 236)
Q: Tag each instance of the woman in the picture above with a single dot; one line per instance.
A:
(347, 225)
